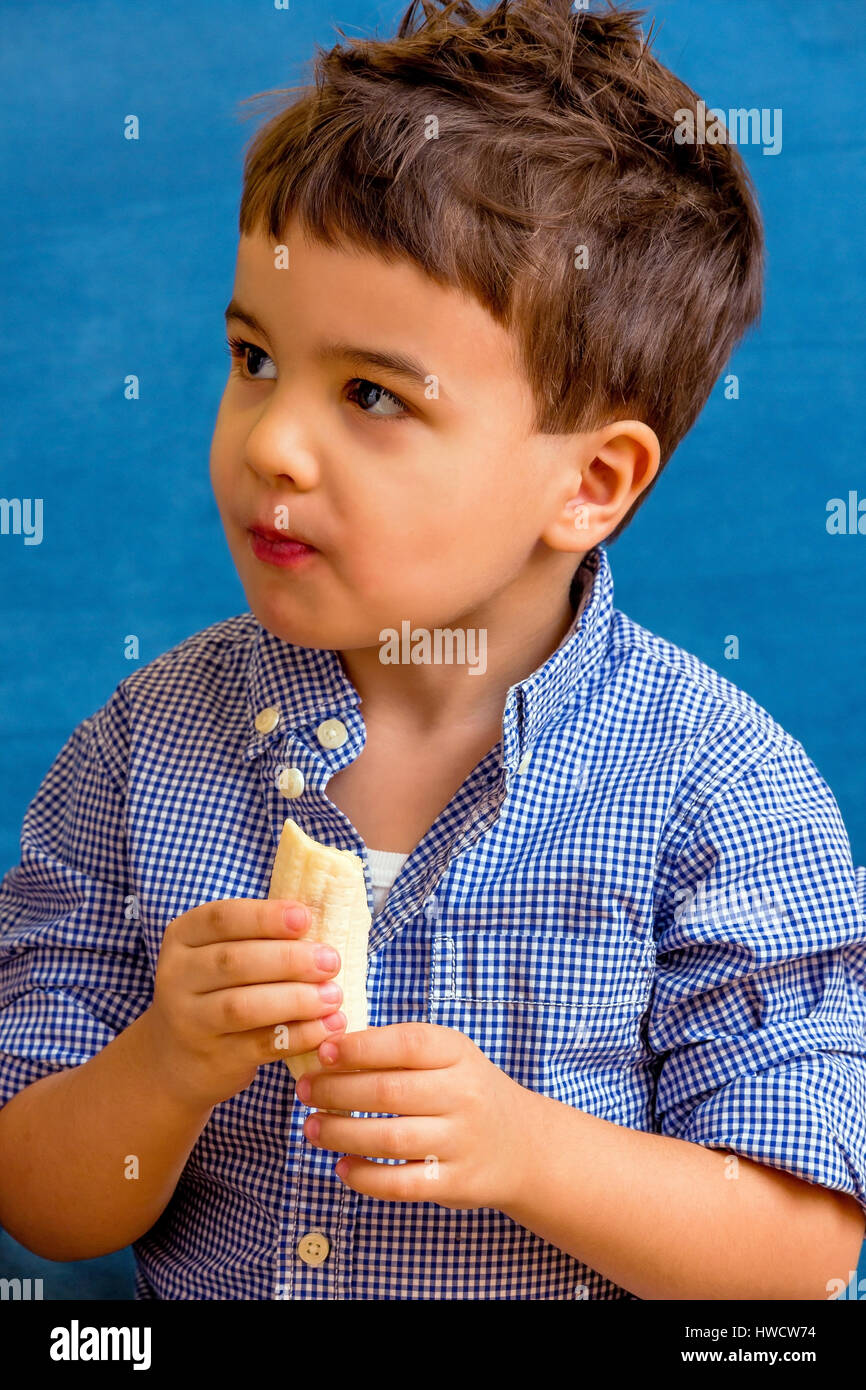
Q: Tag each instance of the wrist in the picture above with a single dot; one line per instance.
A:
(530, 1127)
(536, 1120)
(162, 1071)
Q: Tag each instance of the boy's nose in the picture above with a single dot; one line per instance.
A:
(277, 449)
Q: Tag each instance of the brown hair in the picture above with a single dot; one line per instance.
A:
(555, 130)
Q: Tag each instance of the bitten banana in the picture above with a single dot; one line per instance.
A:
(331, 883)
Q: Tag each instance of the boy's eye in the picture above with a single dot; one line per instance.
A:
(241, 364)
(367, 395)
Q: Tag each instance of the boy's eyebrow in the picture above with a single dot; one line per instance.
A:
(400, 363)
(235, 311)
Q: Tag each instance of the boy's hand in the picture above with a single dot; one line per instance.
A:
(229, 974)
(462, 1122)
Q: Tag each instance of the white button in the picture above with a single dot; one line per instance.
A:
(332, 734)
(313, 1248)
(524, 762)
(290, 781)
(267, 719)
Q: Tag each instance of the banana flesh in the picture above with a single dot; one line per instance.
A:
(331, 883)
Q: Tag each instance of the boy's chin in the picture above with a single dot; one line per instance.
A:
(299, 634)
(298, 631)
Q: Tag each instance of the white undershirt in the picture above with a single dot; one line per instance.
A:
(385, 865)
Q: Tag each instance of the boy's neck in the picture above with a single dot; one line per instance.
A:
(431, 698)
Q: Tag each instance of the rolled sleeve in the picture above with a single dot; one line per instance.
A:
(758, 1010)
(73, 969)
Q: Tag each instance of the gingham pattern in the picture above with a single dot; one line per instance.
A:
(546, 913)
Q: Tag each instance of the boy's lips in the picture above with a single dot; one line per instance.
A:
(280, 548)
(277, 537)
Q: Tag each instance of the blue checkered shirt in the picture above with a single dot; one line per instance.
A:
(641, 902)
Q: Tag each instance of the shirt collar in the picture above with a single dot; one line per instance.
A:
(307, 685)
(564, 676)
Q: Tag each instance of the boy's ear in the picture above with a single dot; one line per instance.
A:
(616, 465)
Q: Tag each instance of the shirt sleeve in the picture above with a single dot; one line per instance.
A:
(73, 969)
(758, 1008)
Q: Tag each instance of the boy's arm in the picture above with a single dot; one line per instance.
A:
(90, 1157)
(757, 1021)
(668, 1219)
(74, 987)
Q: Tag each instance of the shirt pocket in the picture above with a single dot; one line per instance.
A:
(547, 1010)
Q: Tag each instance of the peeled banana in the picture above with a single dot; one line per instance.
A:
(331, 883)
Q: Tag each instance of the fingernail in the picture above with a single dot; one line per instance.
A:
(295, 916)
(334, 1021)
(327, 958)
(328, 1051)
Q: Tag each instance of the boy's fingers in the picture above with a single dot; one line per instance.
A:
(281, 1041)
(260, 1006)
(226, 964)
(243, 919)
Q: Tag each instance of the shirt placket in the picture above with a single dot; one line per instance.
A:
(316, 1242)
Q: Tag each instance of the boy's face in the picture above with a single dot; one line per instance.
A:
(423, 507)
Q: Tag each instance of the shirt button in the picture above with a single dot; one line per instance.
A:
(314, 1247)
(332, 734)
(267, 719)
(290, 781)
(524, 762)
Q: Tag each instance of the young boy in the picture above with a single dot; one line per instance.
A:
(616, 989)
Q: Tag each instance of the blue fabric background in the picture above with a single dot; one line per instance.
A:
(118, 258)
